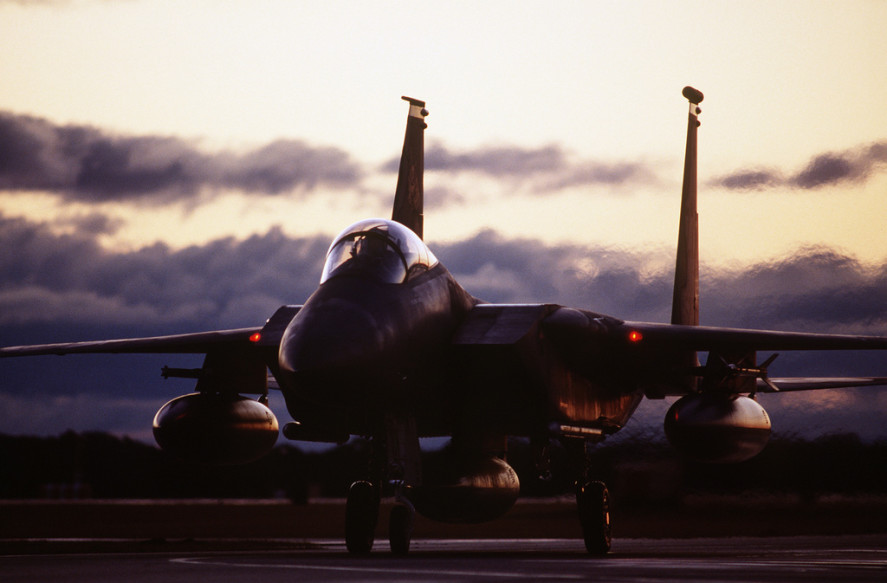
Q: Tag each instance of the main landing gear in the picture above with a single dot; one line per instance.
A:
(400, 527)
(593, 502)
(362, 516)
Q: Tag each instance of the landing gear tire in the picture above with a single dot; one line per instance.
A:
(400, 529)
(361, 516)
(593, 502)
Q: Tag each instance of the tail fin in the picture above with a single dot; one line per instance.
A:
(408, 198)
(685, 302)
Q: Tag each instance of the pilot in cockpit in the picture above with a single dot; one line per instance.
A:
(372, 244)
(381, 249)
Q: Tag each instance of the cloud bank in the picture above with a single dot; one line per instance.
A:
(87, 164)
(71, 280)
(67, 287)
(230, 282)
(827, 169)
(547, 169)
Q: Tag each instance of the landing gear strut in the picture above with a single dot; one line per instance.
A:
(593, 501)
(361, 516)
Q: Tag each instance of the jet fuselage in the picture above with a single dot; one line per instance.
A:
(374, 334)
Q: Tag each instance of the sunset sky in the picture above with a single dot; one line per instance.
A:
(169, 167)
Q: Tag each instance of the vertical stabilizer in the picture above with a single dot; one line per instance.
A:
(685, 302)
(408, 198)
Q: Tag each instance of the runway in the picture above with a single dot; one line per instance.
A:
(843, 558)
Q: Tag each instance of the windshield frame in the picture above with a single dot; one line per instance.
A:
(383, 249)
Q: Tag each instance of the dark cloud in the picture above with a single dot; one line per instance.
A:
(437, 197)
(511, 270)
(815, 289)
(72, 281)
(547, 168)
(854, 165)
(751, 180)
(500, 161)
(825, 169)
(598, 173)
(287, 164)
(229, 282)
(84, 163)
(94, 224)
(66, 287)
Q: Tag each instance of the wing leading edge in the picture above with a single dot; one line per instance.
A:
(236, 361)
(267, 336)
(195, 343)
(790, 384)
(579, 326)
(716, 338)
(584, 340)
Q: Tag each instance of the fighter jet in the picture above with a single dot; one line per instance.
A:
(392, 349)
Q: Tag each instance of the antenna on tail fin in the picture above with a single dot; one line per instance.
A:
(408, 197)
(685, 302)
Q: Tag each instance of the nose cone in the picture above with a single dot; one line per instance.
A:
(334, 335)
(331, 346)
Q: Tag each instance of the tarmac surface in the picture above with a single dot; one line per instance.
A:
(736, 539)
(784, 559)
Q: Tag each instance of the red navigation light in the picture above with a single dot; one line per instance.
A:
(635, 336)
(255, 337)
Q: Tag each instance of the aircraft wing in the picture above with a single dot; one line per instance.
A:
(815, 383)
(735, 339)
(574, 326)
(236, 360)
(488, 323)
(731, 350)
(267, 336)
(196, 343)
(587, 341)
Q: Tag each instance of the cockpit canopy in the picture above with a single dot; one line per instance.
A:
(383, 249)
